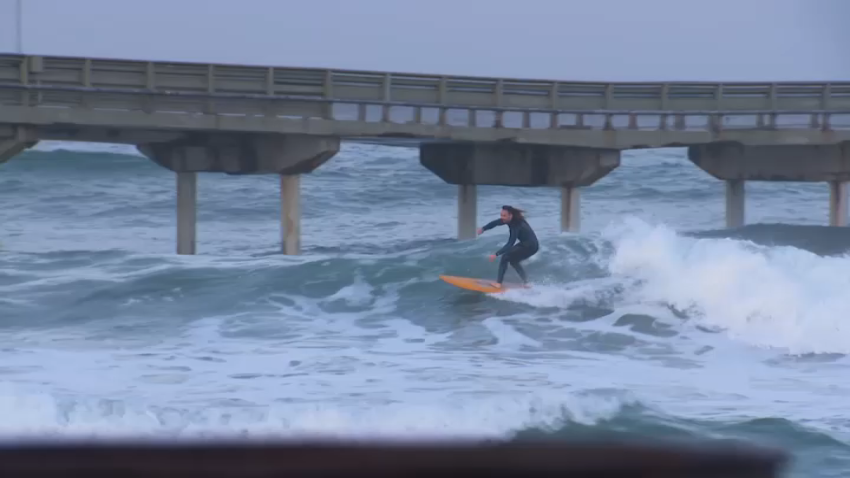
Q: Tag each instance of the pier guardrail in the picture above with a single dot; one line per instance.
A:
(232, 90)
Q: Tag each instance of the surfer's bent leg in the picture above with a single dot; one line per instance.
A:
(503, 267)
(518, 255)
(519, 270)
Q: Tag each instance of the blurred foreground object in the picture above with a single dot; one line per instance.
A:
(288, 459)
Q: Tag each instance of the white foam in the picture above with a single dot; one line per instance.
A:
(358, 293)
(779, 297)
(31, 413)
(507, 337)
(557, 295)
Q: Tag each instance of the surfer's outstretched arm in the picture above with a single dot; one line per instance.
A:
(491, 225)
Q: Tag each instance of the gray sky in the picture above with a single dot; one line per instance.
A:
(563, 39)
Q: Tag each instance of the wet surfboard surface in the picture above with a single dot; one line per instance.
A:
(479, 285)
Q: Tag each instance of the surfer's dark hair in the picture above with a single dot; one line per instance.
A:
(516, 213)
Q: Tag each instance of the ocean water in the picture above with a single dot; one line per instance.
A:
(653, 320)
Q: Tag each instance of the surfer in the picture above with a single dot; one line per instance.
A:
(511, 252)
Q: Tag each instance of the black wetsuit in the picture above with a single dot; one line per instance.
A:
(513, 253)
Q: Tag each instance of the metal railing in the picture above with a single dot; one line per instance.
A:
(433, 90)
(230, 90)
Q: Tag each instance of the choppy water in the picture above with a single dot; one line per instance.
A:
(653, 320)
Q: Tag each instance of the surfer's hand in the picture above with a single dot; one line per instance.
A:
(492, 257)
(480, 231)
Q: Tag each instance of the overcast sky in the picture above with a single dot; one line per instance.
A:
(561, 39)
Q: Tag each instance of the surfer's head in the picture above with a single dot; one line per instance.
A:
(509, 213)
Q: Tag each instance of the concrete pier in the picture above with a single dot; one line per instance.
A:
(521, 165)
(735, 203)
(837, 203)
(467, 211)
(286, 155)
(288, 121)
(736, 163)
(187, 200)
(570, 209)
(243, 153)
(290, 214)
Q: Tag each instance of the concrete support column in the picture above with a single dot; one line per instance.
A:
(467, 211)
(290, 214)
(570, 209)
(735, 203)
(837, 203)
(187, 199)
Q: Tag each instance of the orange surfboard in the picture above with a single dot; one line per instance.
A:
(479, 285)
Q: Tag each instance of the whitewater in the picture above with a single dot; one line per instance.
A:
(653, 320)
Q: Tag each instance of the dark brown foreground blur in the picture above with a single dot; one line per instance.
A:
(253, 460)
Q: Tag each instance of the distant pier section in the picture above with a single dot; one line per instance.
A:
(191, 118)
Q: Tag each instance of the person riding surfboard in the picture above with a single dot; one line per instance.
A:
(511, 252)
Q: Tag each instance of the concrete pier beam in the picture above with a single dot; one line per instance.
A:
(238, 154)
(838, 203)
(290, 214)
(521, 165)
(467, 211)
(187, 200)
(570, 209)
(243, 154)
(735, 203)
(785, 162)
